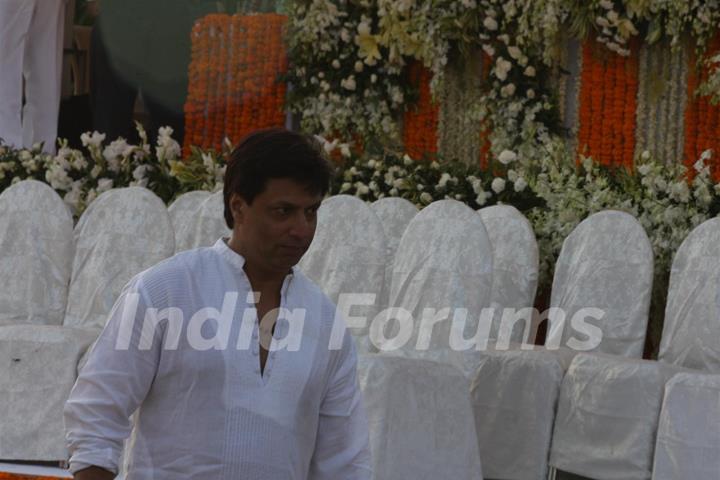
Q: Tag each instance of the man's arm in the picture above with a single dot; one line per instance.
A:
(342, 447)
(109, 388)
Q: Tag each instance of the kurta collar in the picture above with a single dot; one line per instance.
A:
(237, 260)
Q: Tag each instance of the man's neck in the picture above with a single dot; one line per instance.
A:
(261, 280)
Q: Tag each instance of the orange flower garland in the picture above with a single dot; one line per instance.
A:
(421, 121)
(234, 89)
(608, 101)
(702, 119)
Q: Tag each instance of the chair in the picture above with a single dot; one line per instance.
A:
(417, 414)
(394, 213)
(515, 391)
(36, 252)
(610, 401)
(123, 232)
(184, 214)
(688, 438)
(515, 268)
(347, 256)
(444, 263)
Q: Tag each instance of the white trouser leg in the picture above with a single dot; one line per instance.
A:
(15, 17)
(43, 73)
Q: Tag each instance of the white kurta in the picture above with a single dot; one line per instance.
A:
(211, 414)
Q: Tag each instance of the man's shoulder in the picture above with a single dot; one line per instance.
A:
(181, 266)
(311, 289)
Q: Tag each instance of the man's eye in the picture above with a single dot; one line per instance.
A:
(282, 210)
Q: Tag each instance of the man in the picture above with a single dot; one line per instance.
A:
(31, 37)
(213, 408)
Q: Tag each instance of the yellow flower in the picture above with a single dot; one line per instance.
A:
(368, 47)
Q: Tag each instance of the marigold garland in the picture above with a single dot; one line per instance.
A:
(234, 78)
(702, 119)
(608, 102)
(421, 121)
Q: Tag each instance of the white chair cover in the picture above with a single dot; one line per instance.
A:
(598, 401)
(588, 270)
(510, 440)
(122, 233)
(688, 438)
(347, 256)
(184, 214)
(444, 261)
(607, 417)
(395, 214)
(38, 367)
(691, 333)
(605, 263)
(418, 413)
(515, 268)
(210, 225)
(35, 255)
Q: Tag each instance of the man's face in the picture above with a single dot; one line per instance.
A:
(277, 228)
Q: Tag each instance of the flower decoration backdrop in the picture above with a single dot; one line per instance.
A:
(561, 108)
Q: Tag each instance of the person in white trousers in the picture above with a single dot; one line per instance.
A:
(31, 48)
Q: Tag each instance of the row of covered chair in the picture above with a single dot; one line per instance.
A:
(59, 285)
(530, 416)
(448, 256)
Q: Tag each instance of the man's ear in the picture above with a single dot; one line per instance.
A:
(237, 208)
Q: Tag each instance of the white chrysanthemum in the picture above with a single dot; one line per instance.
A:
(426, 198)
(104, 184)
(507, 156)
(514, 52)
(498, 185)
(490, 23)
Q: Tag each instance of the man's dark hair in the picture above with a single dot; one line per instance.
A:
(274, 153)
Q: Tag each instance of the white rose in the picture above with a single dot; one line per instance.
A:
(336, 63)
(104, 184)
(481, 198)
(490, 23)
(529, 71)
(530, 93)
(498, 185)
(489, 50)
(507, 156)
(359, 66)
(349, 83)
(514, 52)
(520, 184)
(512, 175)
(373, 78)
(644, 169)
(508, 90)
(426, 198)
(345, 187)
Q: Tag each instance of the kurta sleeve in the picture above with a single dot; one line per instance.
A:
(342, 449)
(112, 384)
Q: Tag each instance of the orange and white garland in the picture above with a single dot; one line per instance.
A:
(235, 71)
(421, 121)
(608, 101)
